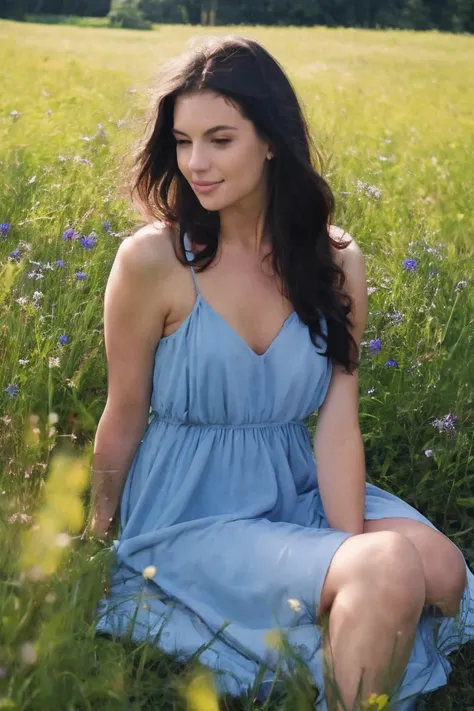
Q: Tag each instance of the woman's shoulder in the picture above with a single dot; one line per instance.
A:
(150, 248)
(346, 249)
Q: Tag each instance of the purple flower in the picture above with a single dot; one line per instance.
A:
(63, 340)
(391, 364)
(15, 254)
(81, 275)
(12, 390)
(446, 423)
(60, 263)
(88, 242)
(375, 345)
(106, 226)
(70, 234)
(4, 229)
(428, 452)
(410, 264)
(396, 318)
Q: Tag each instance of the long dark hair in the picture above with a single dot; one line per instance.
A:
(300, 202)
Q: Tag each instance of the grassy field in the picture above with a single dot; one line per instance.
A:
(392, 113)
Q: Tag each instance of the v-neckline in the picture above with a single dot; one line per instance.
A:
(239, 337)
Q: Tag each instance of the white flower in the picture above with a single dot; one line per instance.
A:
(63, 540)
(294, 604)
(53, 418)
(54, 362)
(149, 572)
(28, 653)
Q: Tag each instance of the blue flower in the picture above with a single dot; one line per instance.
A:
(63, 340)
(410, 264)
(70, 234)
(4, 229)
(12, 390)
(428, 452)
(375, 345)
(106, 226)
(391, 364)
(88, 242)
(81, 275)
(15, 254)
(60, 263)
(446, 423)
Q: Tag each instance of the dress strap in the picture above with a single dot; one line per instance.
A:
(190, 258)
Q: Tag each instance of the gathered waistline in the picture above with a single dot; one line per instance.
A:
(218, 426)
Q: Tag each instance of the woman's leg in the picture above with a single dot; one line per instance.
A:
(374, 592)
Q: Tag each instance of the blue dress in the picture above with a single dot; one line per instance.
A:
(221, 505)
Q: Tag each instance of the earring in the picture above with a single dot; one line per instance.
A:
(269, 156)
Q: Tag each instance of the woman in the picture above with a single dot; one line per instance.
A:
(223, 509)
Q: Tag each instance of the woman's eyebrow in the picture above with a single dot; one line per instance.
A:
(222, 127)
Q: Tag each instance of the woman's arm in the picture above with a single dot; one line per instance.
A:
(338, 444)
(134, 317)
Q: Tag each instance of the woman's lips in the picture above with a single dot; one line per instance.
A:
(206, 188)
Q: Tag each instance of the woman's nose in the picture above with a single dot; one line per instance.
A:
(199, 159)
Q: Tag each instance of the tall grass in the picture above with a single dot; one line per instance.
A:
(392, 113)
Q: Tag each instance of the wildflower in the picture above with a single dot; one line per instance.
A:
(63, 540)
(4, 229)
(15, 114)
(37, 295)
(433, 250)
(106, 226)
(63, 340)
(410, 264)
(53, 418)
(368, 190)
(391, 364)
(428, 452)
(396, 318)
(149, 572)
(54, 362)
(294, 604)
(6, 419)
(371, 289)
(70, 234)
(48, 266)
(81, 275)
(370, 391)
(201, 694)
(376, 703)
(24, 245)
(24, 518)
(27, 475)
(375, 346)
(28, 653)
(15, 254)
(88, 242)
(12, 390)
(273, 639)
(60, 263)
(446, 423)
(460, 285)
(23, 361)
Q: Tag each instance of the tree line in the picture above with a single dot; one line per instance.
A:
(444, 15)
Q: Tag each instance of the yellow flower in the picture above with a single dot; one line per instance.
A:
(294, 604)
(201, 694)
(149, 572)
(273, 639)
(375, 702)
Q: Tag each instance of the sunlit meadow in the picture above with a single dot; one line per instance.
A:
(392, 115)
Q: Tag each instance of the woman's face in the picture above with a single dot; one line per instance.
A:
(234, 157)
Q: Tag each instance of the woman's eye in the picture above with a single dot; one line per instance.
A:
(216, 140)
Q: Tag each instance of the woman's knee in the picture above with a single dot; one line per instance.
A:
(382, 566)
